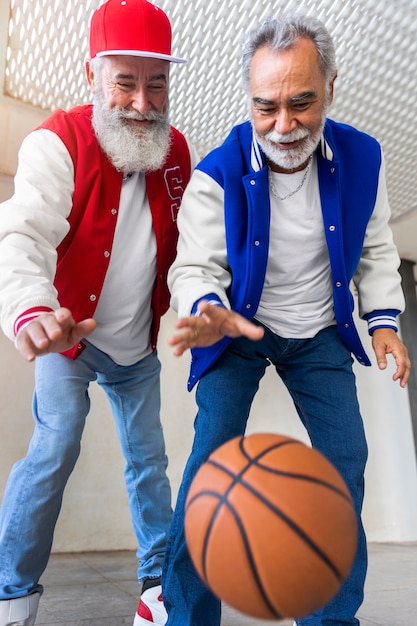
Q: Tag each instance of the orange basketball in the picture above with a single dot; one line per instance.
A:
(270, 526)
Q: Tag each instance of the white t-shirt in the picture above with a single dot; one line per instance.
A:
(296, 300)
(123, 313)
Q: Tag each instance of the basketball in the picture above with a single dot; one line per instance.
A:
(270, 526)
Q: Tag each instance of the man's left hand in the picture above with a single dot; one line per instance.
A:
(386, 341)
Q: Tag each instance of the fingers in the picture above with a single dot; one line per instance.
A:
(249, 330)
(83, 329)
(27, 347)
(36, 338)
(193, 332)
(386, 341)
(213, 323)
(229, 323)
(403, 370)
(51, 332)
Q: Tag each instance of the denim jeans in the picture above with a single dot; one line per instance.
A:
(35, 487)
(318, 374)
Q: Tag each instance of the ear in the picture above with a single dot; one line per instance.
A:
(331, 89)
(90, 74)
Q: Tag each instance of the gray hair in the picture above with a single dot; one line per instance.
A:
(281, 32)
(97, 64)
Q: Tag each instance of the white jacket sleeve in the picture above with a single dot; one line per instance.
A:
(377, 279)
(32, 225)
(201, 265)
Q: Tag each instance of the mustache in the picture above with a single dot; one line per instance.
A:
(151, 116)
(294, 135)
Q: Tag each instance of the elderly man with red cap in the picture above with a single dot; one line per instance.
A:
(85, 245)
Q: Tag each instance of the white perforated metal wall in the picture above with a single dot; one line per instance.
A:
(376, 42)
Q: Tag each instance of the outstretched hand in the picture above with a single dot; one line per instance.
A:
(213, 323)
(386, 341)
(51, 332)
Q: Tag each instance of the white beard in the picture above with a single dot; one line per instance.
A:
(294, 157)
(129, 148)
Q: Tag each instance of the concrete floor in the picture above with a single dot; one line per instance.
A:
(100, 589)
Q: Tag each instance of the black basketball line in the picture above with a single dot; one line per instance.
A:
(237, 479)
(222, 500)
(283, 516)
(287, 474)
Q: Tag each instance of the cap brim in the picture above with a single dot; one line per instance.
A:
(141, 53)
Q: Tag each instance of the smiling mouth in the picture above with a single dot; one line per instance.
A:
(132, 120)
(288, 145)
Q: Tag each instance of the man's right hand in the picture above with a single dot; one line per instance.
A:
(213, 323)
(51, 332)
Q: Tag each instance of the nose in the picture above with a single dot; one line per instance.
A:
(140, 101)
(284, 121)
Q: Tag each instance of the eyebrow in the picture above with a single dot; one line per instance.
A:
(301, 96)
(304, 96)
(121, 76)
(263, 101)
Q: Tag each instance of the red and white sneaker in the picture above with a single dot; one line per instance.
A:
(151, 609)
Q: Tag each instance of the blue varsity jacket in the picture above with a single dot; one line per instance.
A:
(349, 164)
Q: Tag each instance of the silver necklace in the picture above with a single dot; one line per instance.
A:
(292, 193)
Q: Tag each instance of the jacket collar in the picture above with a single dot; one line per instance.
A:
(324, 146)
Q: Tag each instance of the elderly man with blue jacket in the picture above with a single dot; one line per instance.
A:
(274, 226)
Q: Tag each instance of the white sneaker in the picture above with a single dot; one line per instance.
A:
(151, 609)
(19, 611)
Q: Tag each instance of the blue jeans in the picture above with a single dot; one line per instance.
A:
(35, 487)
(318, 374)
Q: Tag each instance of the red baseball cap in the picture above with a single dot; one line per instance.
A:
(132, 28)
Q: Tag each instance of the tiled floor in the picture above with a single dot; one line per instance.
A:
(99, 589)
